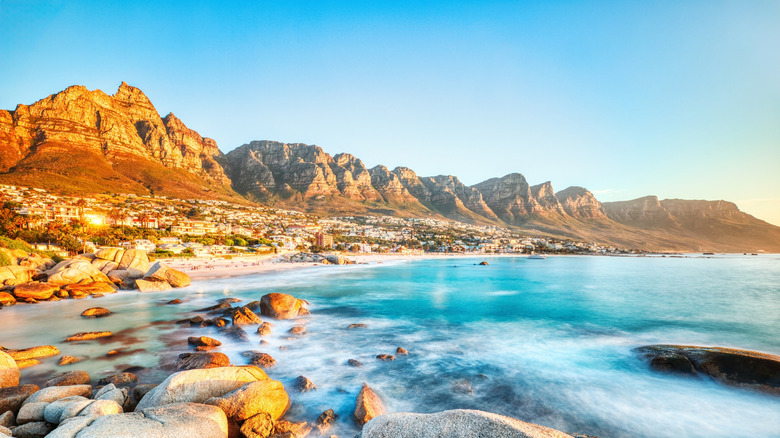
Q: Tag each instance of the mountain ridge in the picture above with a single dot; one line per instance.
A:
(80, 140)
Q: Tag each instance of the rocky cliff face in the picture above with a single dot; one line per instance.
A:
(509, 197)
(580, 203)
(645, 212)
(119, 139)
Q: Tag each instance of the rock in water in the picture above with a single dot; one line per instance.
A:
(9, 371)
(368, 405)
(459, 423)
(68, 378)
(304, 384)
(161, 272)
(11, 398)
(33, 352)
(263, 360)
(203, 341)
(261, 425)
(95, 312)
(7, 299)
(244, 316)
(36, 291)
(197, 386)
(86, 336)
(325, 420)
(152, 286)
(740, 368)
(201, 360)
(281, 306)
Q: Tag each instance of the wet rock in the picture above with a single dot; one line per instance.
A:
(739, 368)
(11, 398)
(161, 272)
(304, 384)
(152, 286)
(37, 429)
(7, 299)
(35, 291)
(8, 419)
(400, 351)
(244, 316)
(356, 326)
(236, 333)
(258, 426)
(483, 263)
(9, 371)
(263, 360)
(26, 363)
(68, 378)
(229, 300)
(263, 396)
(176, 301)
(280, 306)
(216, 308)
(86, 336)
(197, 386)
(219, 322)
(288, 429)
(297, 330)
(91, 288)
(325, 420)
(459, 423)
(385, 357)
(52, 393)
(33, 352)
(462, 386)
(203, 341)
(173, 420)
(119, 379)
(264, 329)
(197, 321)
(354, 363)
(368, 405)
(95, 312)
(201, 360)
(135, 261)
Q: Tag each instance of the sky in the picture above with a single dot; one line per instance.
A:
(678, 99)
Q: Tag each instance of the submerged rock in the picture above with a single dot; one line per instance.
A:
(95, 312)
(304, 384)
(459, 423)
(86, 336)
(263, 360)
(68, 378)
(740, 368)
(162, 272)
(33, 352)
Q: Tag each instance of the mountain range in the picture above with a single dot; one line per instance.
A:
(82, 141)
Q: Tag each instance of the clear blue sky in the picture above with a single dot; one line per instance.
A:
(627, 98)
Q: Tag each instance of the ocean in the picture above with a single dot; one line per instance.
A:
(545, 341)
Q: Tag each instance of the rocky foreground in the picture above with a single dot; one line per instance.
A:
(206, 396)
(34, 279)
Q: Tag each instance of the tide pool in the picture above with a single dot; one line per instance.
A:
(545, 341)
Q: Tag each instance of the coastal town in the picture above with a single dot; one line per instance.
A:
(169, 227)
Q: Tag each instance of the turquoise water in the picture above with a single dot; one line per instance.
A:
(546, 341)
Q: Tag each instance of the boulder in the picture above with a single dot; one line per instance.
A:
(173, 420)
(13, 275)
(244, 316)
(11, 398)
(174, 301)
(111, 393)
(91, 288)
(259, 426)
(75, 271)
(304, 384)
(33, 352)
(263, 360)
(26, 363)
(7, 299)
(325, 420)
(201, 360)
(52, 393)
(357, 325)
(36, 291)
(253, 398)
(400, 351)
(368, 405)
(119, 379)
(30, 412)
(69, 406)
(110, 254)
(135, 262)
(264, 329)
(235, 332)
(297, 330)
(739, 368)
(459, 423)
(161, 272)
(98, 408)
(36, 429)
(385, 357)
(141, 389)
(69, 427)
(199, 385)
(108, 267)
(86, 336)
(68, 378)
(203, 341)
(281, 306)
(95, 312)
(152, 286)
(7, 419)
(5, 432)
(9, 371)
(354, 363)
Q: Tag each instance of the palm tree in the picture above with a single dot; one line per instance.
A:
(118, 215)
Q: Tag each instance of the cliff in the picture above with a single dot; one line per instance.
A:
(88, 141)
